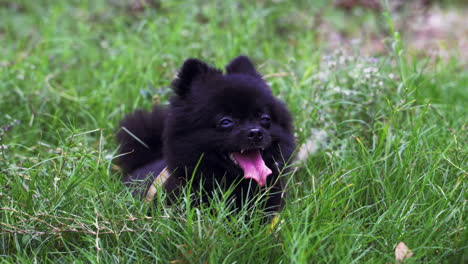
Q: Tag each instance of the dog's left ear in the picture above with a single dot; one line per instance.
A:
(242, 64)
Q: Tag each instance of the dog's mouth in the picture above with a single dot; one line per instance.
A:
(251, 162)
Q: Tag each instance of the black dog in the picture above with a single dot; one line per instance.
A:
(220, 129)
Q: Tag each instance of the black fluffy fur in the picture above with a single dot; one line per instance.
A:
(187, 133)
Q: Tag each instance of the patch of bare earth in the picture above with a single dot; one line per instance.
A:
(439, 33)
(428, 30)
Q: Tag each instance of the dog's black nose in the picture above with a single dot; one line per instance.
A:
(255, 134)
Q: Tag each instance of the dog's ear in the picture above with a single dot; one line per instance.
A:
(242, 64)
(190, 71)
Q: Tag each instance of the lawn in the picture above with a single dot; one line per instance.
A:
(386, 131)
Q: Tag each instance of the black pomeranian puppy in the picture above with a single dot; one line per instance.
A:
(219, 130)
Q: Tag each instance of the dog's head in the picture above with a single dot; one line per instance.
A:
(232, 119)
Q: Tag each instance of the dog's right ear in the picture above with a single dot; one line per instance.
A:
(190, 71)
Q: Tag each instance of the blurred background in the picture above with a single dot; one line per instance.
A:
(430, 27)
(378, 91)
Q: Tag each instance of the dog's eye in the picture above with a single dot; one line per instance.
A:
(225, 122)
(265, 120)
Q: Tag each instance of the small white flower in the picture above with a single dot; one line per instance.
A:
(104, 44)
(316, 140)
(331, 63)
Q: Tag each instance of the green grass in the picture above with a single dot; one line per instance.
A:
(393, 167)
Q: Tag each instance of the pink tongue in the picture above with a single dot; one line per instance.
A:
(253, 165)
